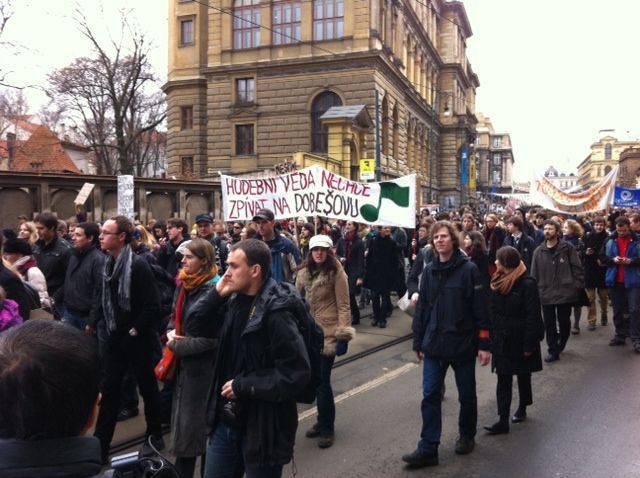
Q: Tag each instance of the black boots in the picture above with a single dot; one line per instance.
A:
(419, 459)
(499, 428)
(520, 415)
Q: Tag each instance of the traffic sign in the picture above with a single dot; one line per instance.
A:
(367, 169)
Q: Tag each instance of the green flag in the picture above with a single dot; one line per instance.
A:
(388, 190)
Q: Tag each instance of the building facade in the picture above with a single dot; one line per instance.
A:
(564, 182)
(494, 158)
(604, 156)
(249, 82)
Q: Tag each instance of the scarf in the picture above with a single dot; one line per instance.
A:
(503, 281)
(24, 264)
(348, 239)
(118, 270)
(193, 281)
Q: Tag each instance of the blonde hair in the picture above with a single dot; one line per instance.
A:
(33, 233)
(575, 228)
(145, 237)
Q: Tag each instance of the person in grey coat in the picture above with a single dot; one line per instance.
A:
(559, 272)
(195, 348)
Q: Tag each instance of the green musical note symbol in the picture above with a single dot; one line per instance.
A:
(398, 194)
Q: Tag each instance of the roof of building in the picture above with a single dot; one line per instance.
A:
(356, 113)
(43, 151)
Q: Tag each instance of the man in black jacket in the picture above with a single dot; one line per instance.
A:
(518, 239)
(450, 328)
(127, 331)
(52, 255)
(84, 278)
(262, 364)
(168, 257)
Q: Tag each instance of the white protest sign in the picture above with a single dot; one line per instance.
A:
(82, 196)
(125, 196)
(315, 191)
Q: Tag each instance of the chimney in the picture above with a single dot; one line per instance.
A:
(11, 148)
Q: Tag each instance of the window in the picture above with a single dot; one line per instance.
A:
(245, 90)
(607, 170)
(607, 151)
(328, 19)
(186, 117)
(320, 105)
(497, 142)
(496, 177)
(286, 23)
(246, 23)
(186, 166)
(497, 159)
(186, 32)
(384, 127)
(244, 139)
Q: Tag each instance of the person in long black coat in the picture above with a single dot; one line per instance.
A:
(594, 273)
(516, 332)
(350, 252)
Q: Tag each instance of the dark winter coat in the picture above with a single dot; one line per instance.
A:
(384, 272)
(594, 273)
(143, 251)
(355, 267)
(495, 239)
(74, 457)
(276, 368)
(52, 260)
(451, 311)
(196, 355)
(481, 260)
(83, 283)
(525, 247)
(16, 291)
(169, 259)
(631, 271)
(145, 301)
(560, 275)
(516, 328)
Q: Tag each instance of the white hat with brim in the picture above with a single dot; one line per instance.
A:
(320, 241)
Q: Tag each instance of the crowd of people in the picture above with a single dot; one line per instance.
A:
(224, 304)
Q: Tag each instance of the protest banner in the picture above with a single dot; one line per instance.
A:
(596, 198)
(314, 191)
(83, 195)
(625, 197)
(125, 196)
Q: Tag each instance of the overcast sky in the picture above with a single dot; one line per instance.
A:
(552, 72)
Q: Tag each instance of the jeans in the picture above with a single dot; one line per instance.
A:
(434, 372)
(504, 391)
(120, 353)
(226, 456)
(603, 297)
(324, 394)
(557, 316)
(622, 298)
(381, 302)
(79, 321)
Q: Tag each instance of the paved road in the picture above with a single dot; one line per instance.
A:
(584, 422)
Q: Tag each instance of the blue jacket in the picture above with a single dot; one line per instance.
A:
(632, 271)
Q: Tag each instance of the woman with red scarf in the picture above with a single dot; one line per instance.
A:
(194, 342)
(350, 252)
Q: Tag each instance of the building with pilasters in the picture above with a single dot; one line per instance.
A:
(250, 80)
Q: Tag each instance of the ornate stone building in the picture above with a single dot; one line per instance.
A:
(494, 158)
(563, 181)
(249, 82)
(605, 155)
(629, 173)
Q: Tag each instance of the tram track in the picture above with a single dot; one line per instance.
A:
(138, 440)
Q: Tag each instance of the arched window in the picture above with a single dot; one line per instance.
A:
(607, 170)
(607, 151)
(396, 135)
(384, 127)
(320, 105)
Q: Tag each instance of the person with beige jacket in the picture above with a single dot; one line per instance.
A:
(323, 283)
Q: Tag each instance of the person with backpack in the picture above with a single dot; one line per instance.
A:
(18, 253)
(323, 283)
(262, 366)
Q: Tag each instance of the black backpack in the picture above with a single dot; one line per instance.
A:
(313, 338)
